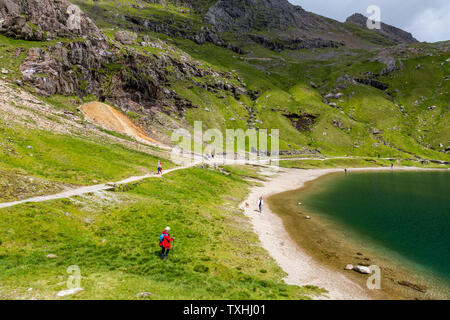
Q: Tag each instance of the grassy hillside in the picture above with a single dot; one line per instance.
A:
(284, 87)
(36, 161)
(115, 244)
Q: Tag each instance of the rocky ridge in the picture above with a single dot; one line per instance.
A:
(391, 32)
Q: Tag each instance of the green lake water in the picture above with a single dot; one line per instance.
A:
(407, 213)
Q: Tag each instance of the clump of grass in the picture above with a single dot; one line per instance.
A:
(201, 268)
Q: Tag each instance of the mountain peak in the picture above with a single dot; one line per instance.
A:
(251, 14)
(391, 32)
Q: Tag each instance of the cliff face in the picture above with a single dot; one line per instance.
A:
(44, 19)
(89, 65)
(391, 32)
(275, 24)
(247, 15)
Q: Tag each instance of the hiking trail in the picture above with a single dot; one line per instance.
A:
(88, 189)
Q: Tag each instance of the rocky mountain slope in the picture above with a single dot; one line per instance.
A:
(43, 20)
(278, 25)
(386, 30)
(332, 88)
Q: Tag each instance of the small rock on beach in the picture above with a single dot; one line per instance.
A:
(362, 269)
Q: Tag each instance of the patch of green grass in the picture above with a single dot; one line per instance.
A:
(105, 13)
(16, 184)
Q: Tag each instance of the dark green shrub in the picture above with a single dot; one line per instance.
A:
(201, 268)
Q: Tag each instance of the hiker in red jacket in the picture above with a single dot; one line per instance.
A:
(159, 167)
(165, 243)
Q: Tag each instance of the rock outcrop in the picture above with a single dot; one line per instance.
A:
(65, 68)
(302, 122)
(248, 15)
(89, 66)
(45, 19)
(393, 33)
(274, 24)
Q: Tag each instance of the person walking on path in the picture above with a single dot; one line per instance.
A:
(165, 243)
(260, 204)
(159, 167)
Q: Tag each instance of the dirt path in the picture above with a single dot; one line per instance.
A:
(301, 268)
(88, 189)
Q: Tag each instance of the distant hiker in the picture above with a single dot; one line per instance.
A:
(165, 243)
(159, 167)
(392, 166)
(345, 170)
(260, 204)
